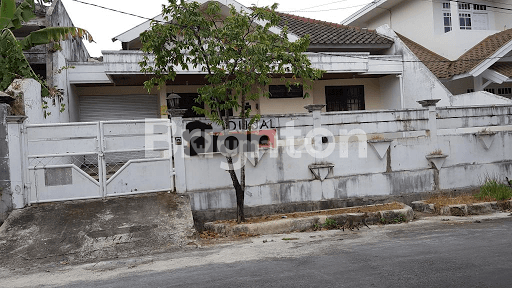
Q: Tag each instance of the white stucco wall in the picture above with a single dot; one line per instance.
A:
(422, 22)
(418, 81)
(280, 177)
(478, 98)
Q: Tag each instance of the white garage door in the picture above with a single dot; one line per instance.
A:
(126, 107)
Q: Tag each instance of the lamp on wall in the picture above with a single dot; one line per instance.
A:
(173, 104)
(173, 100)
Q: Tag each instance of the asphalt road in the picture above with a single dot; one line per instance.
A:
(433, 255)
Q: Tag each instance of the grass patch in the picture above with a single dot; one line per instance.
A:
(494, 189)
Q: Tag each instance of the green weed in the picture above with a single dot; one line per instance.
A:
(494, 189)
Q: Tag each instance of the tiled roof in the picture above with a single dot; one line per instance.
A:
(505, 68)
(467, 62)
(434, 62)
(322, 32)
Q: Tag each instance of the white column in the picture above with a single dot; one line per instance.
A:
(17, 161)
(317, 123)
(455, 15)
(478, 83)
(432, 120)
(179, 152)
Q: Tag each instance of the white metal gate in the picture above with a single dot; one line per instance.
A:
(98, 159)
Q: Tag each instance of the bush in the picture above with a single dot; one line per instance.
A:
(330, 223)
(494, 189)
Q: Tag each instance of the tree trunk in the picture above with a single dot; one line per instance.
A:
(240, 217)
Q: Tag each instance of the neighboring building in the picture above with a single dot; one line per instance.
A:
(362, 73)
(465, 44)
(49, 60)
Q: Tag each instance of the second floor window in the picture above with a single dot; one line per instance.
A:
(447, 17)
(465, 21)
(464, 6)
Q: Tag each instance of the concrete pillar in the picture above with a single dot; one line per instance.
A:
(17, 161)
(455, 15)
(178, 149)
(317, 123)
(5, 185)
(478, 83)
(432, 119)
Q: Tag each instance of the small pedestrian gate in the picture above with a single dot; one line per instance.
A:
(97, 159)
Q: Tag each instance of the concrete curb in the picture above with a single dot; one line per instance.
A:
(303, 224)
(463, 209)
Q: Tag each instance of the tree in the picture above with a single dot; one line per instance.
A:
(13, 63)
(240, 53)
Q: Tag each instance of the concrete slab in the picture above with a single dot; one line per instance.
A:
(94, 230)
(463, 209)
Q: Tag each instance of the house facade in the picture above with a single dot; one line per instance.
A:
(363, 72)
(52, 63)
(466, 44)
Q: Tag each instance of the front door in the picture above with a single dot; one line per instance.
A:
(344, 98)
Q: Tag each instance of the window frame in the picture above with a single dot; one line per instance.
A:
(447, 17)
(292, 92)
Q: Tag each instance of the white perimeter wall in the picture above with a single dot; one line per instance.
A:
(281, 178)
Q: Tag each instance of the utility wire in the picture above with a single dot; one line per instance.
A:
(114, 10)
(334, 9)
(326, 4)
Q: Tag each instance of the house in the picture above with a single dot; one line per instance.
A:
(362, 73)
(467, 45)
(51, 62)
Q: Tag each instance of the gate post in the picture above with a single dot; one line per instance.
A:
(102, 165)
(17, 161)
(178, 150)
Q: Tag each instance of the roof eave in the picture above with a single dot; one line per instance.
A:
(363, 11)
(358, 47)
(487, 63)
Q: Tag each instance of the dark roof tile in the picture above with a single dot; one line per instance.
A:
(444, 68)
(321, 32)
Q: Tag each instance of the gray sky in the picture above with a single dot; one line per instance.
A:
(104, 24)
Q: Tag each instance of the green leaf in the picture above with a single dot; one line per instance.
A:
(54, 34)
(7, 9)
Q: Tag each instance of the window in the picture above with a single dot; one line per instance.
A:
(344, 98)
(447, 22)
(187, 101)
(447, 17)
(490, 90)
(464, 6)
(505, 91)
(465, 21)
(479, 7)
(281, 91)
(470, 90)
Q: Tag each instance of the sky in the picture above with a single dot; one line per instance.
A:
(105, 25)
